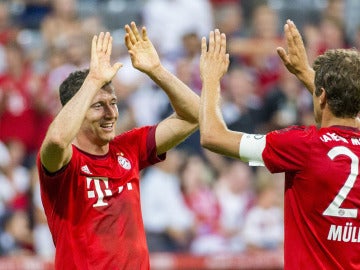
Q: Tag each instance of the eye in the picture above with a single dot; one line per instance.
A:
(96, 106)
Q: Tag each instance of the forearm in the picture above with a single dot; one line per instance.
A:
(184, 101)
(214, 134)
(210, 116)
(67, 123)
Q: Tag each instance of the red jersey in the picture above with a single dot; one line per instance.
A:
(93, 205)
(322, 195)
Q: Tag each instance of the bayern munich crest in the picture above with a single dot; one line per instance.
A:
(124, 162)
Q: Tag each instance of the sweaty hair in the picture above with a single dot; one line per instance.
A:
(71, 85)
(338, 72)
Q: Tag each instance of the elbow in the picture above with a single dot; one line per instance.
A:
(208, 140)
(55, 141)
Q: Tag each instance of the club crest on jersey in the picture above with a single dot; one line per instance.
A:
(124, 162)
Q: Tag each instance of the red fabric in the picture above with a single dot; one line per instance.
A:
(19, 118)
(319, 165)
(93, 205)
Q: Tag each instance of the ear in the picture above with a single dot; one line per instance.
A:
(322, 97)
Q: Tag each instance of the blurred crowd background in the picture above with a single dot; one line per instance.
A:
(195, 201)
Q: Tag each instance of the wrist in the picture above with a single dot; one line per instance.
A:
(92, 81)
(156, 72)
(95, 81)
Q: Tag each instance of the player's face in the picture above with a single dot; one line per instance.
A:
(100, 121)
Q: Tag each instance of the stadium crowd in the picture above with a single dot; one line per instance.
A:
(195, 201)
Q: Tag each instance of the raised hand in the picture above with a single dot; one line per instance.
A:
(100, 67)
(214, 61)
(142, 52)
(295, 59)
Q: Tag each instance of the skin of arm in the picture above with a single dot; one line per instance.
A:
(174, 129)
(295, 59)
(214, 134)
(56, 150)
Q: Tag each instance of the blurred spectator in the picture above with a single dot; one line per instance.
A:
(333, 35)
(43, 244)
(263, 228)
(14, 180)
(285, 104)
(228, 18)
(62, 20)
(178, 17)
(167, 220)
(8, 28)
(241, 107)
(259, 49)
(30, 13)
(19, 89)
(4, 156)
(312, 40)
(236, 196)
(15, 234)
(357, 38)
(196, 180)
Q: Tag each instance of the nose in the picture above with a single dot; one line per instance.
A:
(111, 111)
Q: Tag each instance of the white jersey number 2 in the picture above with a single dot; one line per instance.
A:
(334, 208)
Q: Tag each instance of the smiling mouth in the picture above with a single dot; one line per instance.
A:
(108, 126)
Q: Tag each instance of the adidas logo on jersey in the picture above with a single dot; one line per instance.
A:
(85, 169)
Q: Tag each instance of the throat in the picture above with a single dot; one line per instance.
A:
(92, 148)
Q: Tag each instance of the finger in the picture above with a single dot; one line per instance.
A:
(100, 42)
(144, 34)
(295, 34)
(227, 61)
(129, 32)
(203, 46)
(109, 45)
(106, 42)
(135, 31)
(211, 41)
(217, 41)
(223, 44)
(93, 45)
(283, 55)
(288, 36)
(128, 43)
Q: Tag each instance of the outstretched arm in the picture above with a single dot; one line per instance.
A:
(214, 134)
(184, 101)
(56, 148)
(295, 59)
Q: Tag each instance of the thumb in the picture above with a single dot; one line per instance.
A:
(117, 66)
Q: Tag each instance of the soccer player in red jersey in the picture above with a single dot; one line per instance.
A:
(321, 163)
(89, 176)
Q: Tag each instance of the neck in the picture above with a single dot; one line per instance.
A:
(329, 119)
(91, 148)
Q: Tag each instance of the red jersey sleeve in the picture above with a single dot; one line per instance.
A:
(142, 142)
(286, 149)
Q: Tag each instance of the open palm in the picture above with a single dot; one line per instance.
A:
(100, 67)
(142, 52)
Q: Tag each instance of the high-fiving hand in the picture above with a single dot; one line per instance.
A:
(214, 61)
(142, 52)
(295, 58)
(100, 67)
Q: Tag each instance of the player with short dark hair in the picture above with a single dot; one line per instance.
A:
(321, 163)
(89, 176)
